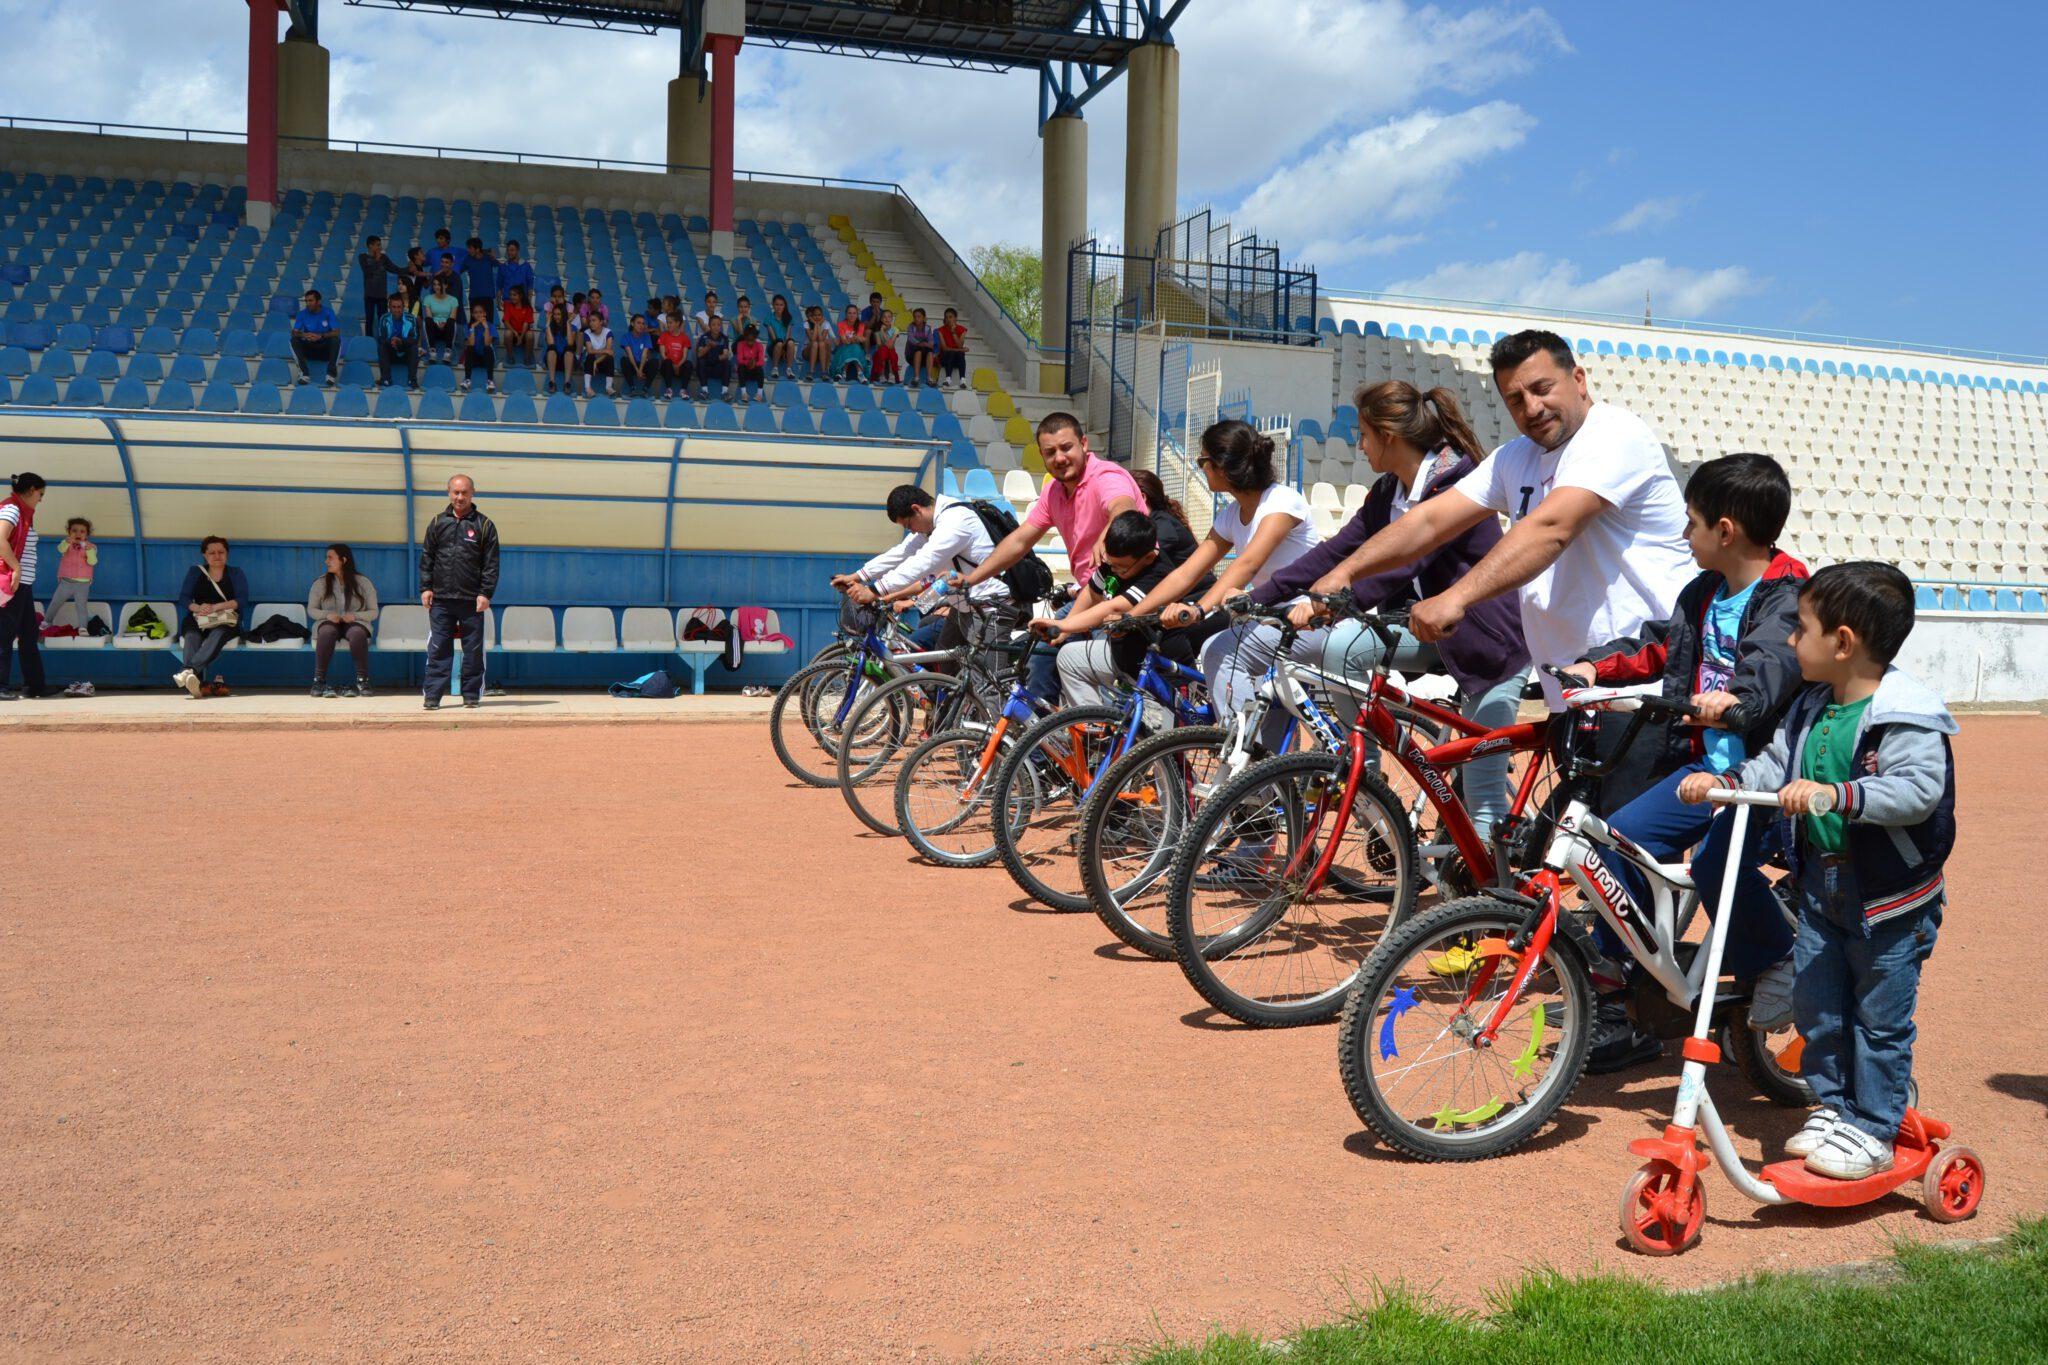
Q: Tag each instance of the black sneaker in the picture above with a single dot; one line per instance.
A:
(320, 689)
(1617, 1043)
(430, 704)
(471, 703)
(363, 690)
(9, 694)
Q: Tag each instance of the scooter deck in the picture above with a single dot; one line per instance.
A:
(1792, 1179)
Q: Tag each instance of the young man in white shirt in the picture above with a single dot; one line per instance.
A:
(941, 535)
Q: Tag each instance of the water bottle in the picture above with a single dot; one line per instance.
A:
(933, 595)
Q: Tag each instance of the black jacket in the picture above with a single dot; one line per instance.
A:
(1766, 675)
(459, 556)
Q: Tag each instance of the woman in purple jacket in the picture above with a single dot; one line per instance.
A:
(1419, 444)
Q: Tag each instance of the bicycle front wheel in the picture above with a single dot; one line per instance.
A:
(1264, 938)
(1132, 826)
(1039, 793)
(889, 722)
(803, 720)
(942, 798)
(1409, 1048)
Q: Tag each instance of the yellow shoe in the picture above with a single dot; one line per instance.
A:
(1454, 962)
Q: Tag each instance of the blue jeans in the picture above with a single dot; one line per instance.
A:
(446, 621)
(1043, 675)
(1351, 650)
(1665, 827)
(1853, 999)
(926, 636)
(1234, 660)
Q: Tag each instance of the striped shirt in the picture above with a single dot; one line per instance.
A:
(10, 514)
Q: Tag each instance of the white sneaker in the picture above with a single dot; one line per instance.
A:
(188, 680)
(1849, 1153)
(1770, 1000)
(1819, 1124)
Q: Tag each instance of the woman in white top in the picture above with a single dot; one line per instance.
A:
(597, 355)
(1268, 526)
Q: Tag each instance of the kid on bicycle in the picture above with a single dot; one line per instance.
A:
(1726, 649)
(1869, 873)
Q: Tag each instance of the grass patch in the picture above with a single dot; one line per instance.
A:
(1989, 1305)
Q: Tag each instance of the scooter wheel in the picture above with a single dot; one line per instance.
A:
(1654, 1220)
(1953, 1185)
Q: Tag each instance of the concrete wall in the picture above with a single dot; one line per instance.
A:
(1979, 656)
(1282, 379)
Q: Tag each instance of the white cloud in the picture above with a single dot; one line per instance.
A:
(1535, 280)
(1399, 171)
(1652, 213)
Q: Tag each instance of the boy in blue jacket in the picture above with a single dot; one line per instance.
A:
(1727, 650)
(1868, 873)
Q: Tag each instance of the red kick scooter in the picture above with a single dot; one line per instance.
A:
(1665, 1203)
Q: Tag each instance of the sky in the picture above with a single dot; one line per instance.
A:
(1870, 170)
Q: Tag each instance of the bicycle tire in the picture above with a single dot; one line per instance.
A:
(899, 720)
(796, 704)
(1755, 1060)
(1118, 899)
(969, 820)
(1366, 1027)
(1255, 949)
(1052, 807)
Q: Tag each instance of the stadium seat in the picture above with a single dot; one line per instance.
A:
(15, 362)
(797, 422)
(835, 422)
(100, 365)
(860, 398)
(517, 379)
(240, 341)
(560, 411)
(95, 611)
(219, 396)
(392, 403)
(436, 407)
(190, 368)
(84, 393)
(350, 400)
(519, 408)
(910, 427)
(402, 627)
(978, 483)
(642, 630)
(173, 395)
(600, 411)
(129, 392)
(526, 630)
(681, 416)
(873, 425)
(74, 336)
(307, 400)
(57, 364)
(589, 630)
(438, 378)
(719, 416)
(198, 341)
(759, 419)
(478, 406)
(165, 612)
(292, 612)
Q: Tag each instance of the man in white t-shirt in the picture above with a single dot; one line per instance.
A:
(1597, 542)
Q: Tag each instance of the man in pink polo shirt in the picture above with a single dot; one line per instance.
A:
(1086, 495)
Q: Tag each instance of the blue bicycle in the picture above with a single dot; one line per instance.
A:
(806, 722)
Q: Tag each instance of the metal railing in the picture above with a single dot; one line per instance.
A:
(1683, 325)
(438, 152)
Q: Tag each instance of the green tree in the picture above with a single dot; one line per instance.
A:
(1013, 274)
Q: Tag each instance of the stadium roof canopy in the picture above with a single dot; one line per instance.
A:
(994, 35)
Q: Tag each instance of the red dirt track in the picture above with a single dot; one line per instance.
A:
(598, 1043)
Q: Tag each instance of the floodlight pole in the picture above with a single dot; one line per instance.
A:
(725, 25)
(262, 134)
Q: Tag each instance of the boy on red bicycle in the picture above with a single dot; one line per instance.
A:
(1726, 649)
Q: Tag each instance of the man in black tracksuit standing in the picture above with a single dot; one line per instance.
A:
(458, 576)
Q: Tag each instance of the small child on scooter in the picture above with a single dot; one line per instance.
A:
(1725, 648)
(1869, 873)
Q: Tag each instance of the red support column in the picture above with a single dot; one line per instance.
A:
(262, 137)
(724, 47)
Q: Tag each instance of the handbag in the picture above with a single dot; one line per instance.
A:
(232, 617)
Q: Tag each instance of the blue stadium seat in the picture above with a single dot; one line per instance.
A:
(189, 368)
(519, 408)
(760, 419)
(350, 401)
(276, 345)
(516, 380)
(393, 402)
(114, 340)
(835, 422)
(33, 336)
(979, 483)
(240, 341)
(786, 393)
(681, 416)
(860, 398)
(199, 341)
(478, 406)
(100, 365)
(600, 411)
(84, 393)
(173, 395)
(797, 422)
(129, 392)
(910, 427)
(57, 364)
(438, 379)
(2008, 599)
(895, 399)
(719, 416)
(355, 372)
(74, 336)
(157, 341)
(2032, 600)
(946, 427)
(640, 413)
(960, 455)
(263, 400)
(873, 425)
(931, 401)
(825, 397)
(560, 411)
(307, 400)
(359, 348)
(15, 362)
(37, 390)
(231, 370)
(436, 407)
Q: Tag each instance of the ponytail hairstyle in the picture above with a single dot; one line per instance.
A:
(1242, 454)
(1428, 421)
(1156, 496)
(350, 595)
(25, 484)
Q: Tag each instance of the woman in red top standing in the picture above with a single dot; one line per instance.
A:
(952, 352)
(18, 629)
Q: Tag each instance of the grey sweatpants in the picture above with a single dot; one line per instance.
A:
(70, 592)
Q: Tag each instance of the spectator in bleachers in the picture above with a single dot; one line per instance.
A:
(850, 351)
(920, 350)
(558, 344)
(714, 356)
(444, 259)
(709, 311)
(952, 351)
(778, 329)
(377, 271)
(514, 273)
(593, 309)
(742, 318)
(882, 358)
(18, 539)
(398, 343)
(819, 342)
(439, 311)
(341, 606)
(419, 281)
(600, 359)
(75, 568)
(653, 312)
(458, 578)
(673, 343)
(478, 349)
(210, 606)
(518, 331)
(871, 314)
(750, 360)
(672, 307)
(639, 359)
(316, 335)
(558, 297)
(480, 277)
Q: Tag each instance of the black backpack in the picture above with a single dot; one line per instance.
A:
(1029, 580)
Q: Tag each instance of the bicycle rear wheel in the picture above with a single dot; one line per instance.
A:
(943, 799)
(891, 721)
(1039, 791)
(1249, 934)
(1132, 825)
(1408, 1045)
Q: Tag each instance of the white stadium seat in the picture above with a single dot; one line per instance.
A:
(526, 629)
(589, 630)
(645, 630)
(402, 627)
(165, 612)
(294, 612)
(97, 611)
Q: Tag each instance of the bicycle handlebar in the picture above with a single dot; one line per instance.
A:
(1820, 803)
